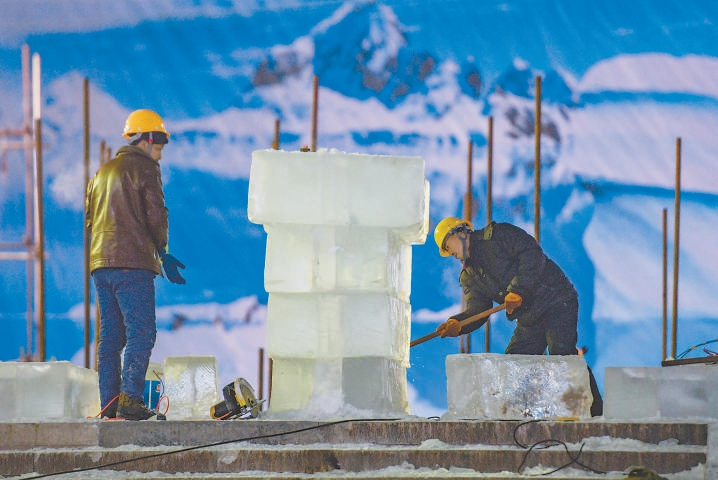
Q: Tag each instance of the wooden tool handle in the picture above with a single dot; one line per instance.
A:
(464, 322)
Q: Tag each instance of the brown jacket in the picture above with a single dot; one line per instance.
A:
(125, 212)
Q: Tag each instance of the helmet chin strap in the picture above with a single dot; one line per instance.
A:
(150, 141)
(464, 246)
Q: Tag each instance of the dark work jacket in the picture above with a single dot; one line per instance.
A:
(125, 212)
(504, 258)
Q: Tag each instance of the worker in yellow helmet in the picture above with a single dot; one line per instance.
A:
(504, 264)
(127, 217)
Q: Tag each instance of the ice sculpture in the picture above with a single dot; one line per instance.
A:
(338, 272)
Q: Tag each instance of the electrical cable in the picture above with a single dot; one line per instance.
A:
(106, 407)
(207, 445)
(550, 442)
(694, 347)
(162, 396)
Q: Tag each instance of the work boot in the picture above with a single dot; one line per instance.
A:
(131, 409)
(110, 411)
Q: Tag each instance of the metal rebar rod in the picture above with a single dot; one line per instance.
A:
(489, 206)
(676, 244)
(275, 142)
(39, 215)
(465, 341)
(29, 195)
(468, 213)
(664, 293)
(315, 108)
(101, 158)
(269, 386)
(40, 240)
(86, 232)
(104, 153)
(537, 163)
(260, 390)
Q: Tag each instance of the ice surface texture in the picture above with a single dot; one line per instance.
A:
(336, 188)
(500, 386)
(338, 325)
(661, 392)
(192, 386)
(47, 390)
(362, 386)
(324, 258)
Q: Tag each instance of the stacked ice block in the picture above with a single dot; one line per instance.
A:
(338, 271)
(498, 386)
(47, 391)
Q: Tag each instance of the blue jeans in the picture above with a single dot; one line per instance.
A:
(127, 320)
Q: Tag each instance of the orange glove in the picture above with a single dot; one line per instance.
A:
(512, 301)
(450, 328)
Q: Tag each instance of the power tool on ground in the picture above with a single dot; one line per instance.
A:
(239, 402)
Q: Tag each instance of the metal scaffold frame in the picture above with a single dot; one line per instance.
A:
(30, 248)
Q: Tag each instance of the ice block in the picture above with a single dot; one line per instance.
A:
(338, 325)
(372, 385)
(337, 188)
(320, 258)
(499, 386)
(192, 386)
(376, 384)
(295, 381)
(8, 390)
(47, 390)
(681, 391)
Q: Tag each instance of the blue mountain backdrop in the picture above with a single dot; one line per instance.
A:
(621, 82)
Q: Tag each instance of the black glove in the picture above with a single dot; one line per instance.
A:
(171, 266)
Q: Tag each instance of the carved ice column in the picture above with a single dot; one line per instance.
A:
(338, 272)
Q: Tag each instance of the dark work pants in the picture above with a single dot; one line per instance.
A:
(557, 331)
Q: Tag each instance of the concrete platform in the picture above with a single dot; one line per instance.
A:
(359, 448)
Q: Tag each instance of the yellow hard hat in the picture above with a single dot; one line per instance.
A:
(142, 121)
(445, 228)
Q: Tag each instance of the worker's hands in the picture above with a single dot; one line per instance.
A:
(512, 301)
(171, 267)
(450, 328)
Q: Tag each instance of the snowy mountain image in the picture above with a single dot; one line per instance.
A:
(624, 90)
